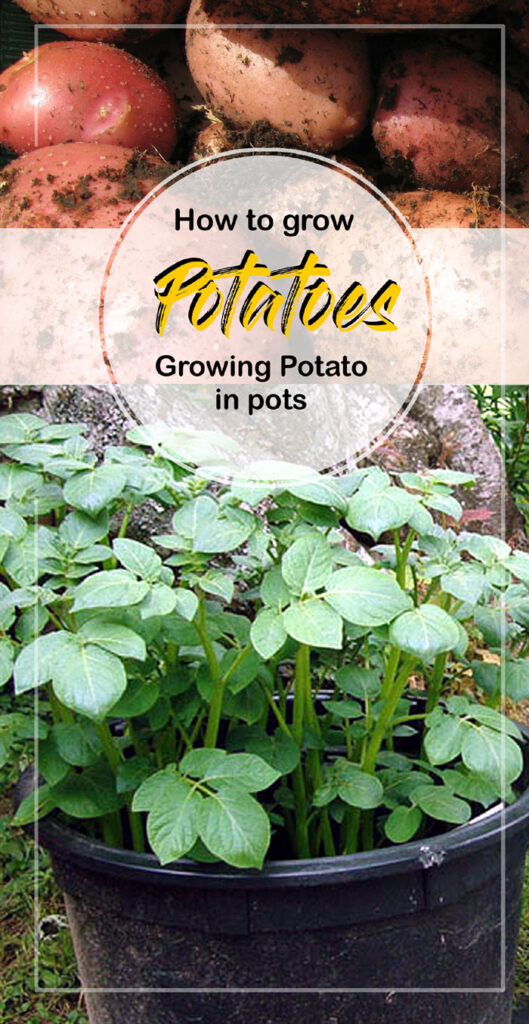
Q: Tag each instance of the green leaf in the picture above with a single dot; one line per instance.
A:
(374, 510)
(445, 503)
(115, 588)
(426, 632)
(88, 680)
(132, 773)
(274, 591)
(494, 719)
(139, 697)
(12, 525)
(7, 653)
(358, 682)
(87, 794)
(172, 824)
(79, 530)
(22, 560)
(487, 676)
(248, 704)
(440, 803)
(76, 745)
(518, 564)
(159, 600)
(250, 772)
(307, 565)
(517, 679)
(344, 708)
(19, 427)
(93, 490)
(186, 603)
(194, 515)
(443, 741)
(485, 548)
(467, 583)
(315, 623)
(365, 596)
(118, 639)
(50, 762)
(33, 807)
(217, 583)
(402, 824)
(278, 750)
(223, 535)
(268, 633)
(139, 558)
(321, 491)
(234, 827)
(17, 482)
(36, 662)
(471, 787)
(355, 787)
(491, 755)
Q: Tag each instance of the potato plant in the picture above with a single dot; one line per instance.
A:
(240, 685)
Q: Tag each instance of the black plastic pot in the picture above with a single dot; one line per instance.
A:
(426, 916)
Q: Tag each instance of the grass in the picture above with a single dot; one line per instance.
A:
(521, 984)
(19, 1001)
(505, 411)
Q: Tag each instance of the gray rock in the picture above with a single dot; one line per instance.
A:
(444, 428)
(450, 414)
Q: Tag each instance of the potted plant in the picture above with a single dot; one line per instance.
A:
(262, 763)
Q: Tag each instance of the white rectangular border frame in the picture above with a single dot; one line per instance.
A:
(502, 368)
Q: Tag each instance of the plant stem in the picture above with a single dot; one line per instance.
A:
(352, 822)
(276, 712)
(112, 754)
(212, 728)
(114, 757)
(436, 682)
(112, 831)
(386, 714)
(391, 671)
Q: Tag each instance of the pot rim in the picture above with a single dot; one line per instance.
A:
(490, 828)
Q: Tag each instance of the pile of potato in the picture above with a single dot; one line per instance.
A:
(416, 110)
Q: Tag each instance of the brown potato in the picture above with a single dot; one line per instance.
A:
(308, 84)
(210, 141)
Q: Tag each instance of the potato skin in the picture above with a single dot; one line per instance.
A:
(88, 92)
(312, 85)
(103, 13)
(367, 12)
(76, 185)
(438, 118)
(433, 209)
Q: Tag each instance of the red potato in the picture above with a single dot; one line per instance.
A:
(308, 84)
(103, 13)
(366, 12)
(86, 92)
(438, 117)
(76, 185)
(430, 209)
